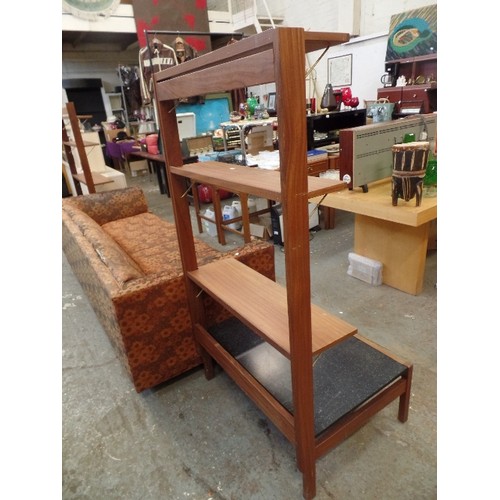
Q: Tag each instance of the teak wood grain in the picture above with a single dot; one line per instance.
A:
(255, 181)
(262, 304)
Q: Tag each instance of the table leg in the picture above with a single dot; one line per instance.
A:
(161, 173)
(218, 214)
(328, 217)
(196, 203)
(245, 217)
(401, 249)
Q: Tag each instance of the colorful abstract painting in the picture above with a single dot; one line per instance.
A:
(413, 33)
(182, 16)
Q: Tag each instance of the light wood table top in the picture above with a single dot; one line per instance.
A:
(377, 203)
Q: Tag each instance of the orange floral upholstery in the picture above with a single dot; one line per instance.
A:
(127, 261)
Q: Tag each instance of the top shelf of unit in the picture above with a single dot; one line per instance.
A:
(255, 181)
(262, 304)
(248, 62)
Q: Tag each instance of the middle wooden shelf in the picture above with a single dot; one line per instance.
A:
(255, 181)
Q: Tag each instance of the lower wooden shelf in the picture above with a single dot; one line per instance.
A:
(346, 376)
(262, 304)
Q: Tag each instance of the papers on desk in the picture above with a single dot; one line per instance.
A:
(330, 174)
(269, 160)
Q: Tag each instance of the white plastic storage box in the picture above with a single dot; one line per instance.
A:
(365, 269)
(186, 124)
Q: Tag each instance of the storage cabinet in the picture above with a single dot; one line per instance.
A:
(420, 93)
(410, 99)
(299, 364)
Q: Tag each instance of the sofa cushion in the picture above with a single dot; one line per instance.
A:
(152, 243)
(121, 266)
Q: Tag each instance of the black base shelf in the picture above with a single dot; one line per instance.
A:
(345, 376)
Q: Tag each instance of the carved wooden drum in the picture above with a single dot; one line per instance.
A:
(409, 161)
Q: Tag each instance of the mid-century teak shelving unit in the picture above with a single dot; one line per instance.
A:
(308, 371)
(74, 148)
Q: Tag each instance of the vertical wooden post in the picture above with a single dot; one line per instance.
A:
(80, 147)
(290, 90)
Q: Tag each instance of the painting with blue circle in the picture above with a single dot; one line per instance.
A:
(412, 34)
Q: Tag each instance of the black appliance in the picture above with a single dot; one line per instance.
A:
(323, 129)
(276, 212)
(86, 94)
(277, 222)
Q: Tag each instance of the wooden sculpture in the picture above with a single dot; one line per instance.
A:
(409, 161)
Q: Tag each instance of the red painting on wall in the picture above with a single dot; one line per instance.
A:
(179, 16)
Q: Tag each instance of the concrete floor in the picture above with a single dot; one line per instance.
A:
(198, 439)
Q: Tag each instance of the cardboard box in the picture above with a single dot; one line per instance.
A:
(260, 139)
(135, 166)
(111, 133)
(262, 229)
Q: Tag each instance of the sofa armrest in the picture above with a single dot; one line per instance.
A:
(109, 205)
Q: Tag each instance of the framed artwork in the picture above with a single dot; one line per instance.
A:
(412, 33)
(340, 70)
(271, 101)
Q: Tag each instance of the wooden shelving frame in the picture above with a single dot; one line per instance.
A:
(72, 141)
(282, 319)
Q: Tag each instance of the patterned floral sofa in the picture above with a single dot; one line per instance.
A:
(127, 261)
